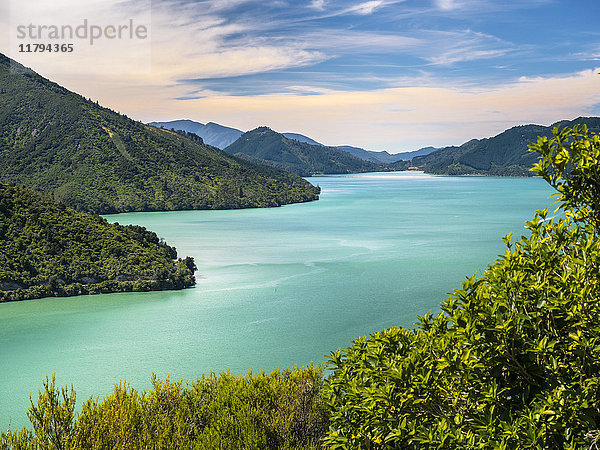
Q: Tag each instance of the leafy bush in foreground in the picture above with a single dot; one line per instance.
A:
(276, 410)
(513, 359)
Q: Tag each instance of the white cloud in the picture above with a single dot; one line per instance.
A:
(451, 47)
(447, 5)
(319, 5)
(465, 54)
(246, 60)
(192, 42)
(188, 43)
(366, 7)
(185, 44)
(120, 53)
(355, 41)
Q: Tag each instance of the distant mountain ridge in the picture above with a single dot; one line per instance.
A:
(269, 147)
(406, 156)
(505, 154)
(212, 133)
(221, 136)
(58, 143)
(301, 138)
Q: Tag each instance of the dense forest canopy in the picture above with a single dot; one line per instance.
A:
(49, 249)
(502, 155)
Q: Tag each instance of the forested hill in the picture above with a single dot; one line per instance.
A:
(266, 146)
(505, 154)
(58, 143)
(49, 249)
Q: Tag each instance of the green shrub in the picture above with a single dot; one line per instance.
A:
(513, 359)
(279, 410)
(48, 249)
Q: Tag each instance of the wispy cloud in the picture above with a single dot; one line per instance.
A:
(458, 46)
(447, 5)
(356, 42)
(366, 7)
(398, 119)
(432, 47)
(319, 5)
(481, 8)
(376, 73)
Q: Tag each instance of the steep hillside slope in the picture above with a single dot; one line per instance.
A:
(302, 138)
(58, 143)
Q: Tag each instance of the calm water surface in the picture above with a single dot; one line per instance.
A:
(276, 287)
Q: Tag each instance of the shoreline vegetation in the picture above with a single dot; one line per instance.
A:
(511, 362)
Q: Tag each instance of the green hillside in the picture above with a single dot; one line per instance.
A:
(49, 249)
(504, 155)
(89, 157)
(264, 145)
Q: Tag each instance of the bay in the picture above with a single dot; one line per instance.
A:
(276, 287)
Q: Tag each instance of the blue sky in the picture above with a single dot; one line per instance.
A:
(380, 74)
(385, 44)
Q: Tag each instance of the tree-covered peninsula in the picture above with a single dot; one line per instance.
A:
(58, 143)
(49, 249)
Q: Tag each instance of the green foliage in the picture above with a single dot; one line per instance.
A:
(570, 164)
(96, 160)
(513, 359)
(49, 249)
(265, 146)
(52, 417)
(279, 410)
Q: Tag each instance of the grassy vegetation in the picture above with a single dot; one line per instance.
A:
(96, 160)
(49, 249)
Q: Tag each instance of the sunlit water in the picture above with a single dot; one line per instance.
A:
(276, 287)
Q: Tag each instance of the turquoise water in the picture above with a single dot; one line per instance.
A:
(276, 287)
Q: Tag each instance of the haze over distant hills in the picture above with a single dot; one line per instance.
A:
(221, 136)
(266, 146)
(503, 155)
(58, 143)
(211, 133)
